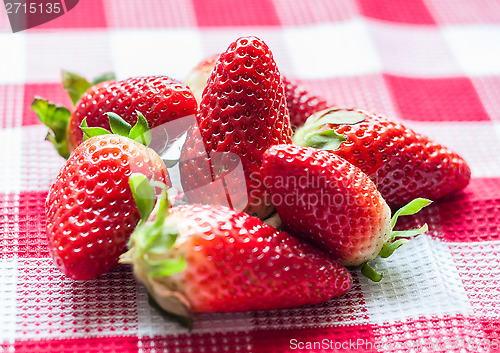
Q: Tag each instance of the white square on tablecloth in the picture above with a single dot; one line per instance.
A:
(413, 50)
(420, 279)
(83, 52)
(12, 57)
(333, 49)
(476, 48)
(10, 160)
(8, 292)
(40, 162)
(142, 52)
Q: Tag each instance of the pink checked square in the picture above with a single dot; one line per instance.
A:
(213, 13)
(86, 14)
(437, 99)
(11, 105)
(157, 14)
(408, 11)
(54, 92)
(122, 344)
(355, 91)
(315, 11)
(32, 238)
(487, 88)
(464, 12)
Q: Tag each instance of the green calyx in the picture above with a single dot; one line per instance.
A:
(139, 132)
(311, 133)
(153, 237)
(397, 238)
(76, 85)
(56, 118)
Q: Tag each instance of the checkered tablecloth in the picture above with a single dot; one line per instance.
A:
(435, 64)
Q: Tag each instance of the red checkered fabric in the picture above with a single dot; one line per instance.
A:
(434, 64)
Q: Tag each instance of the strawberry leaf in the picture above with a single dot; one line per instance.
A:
(140, 132)
(107, 76)
(312, 133)
(118, 125)
(409, 209)
(89, 132)
(56, 118)
(389, 248)
(167, 267)
(143, 193)
(75, 85)
(327, 140)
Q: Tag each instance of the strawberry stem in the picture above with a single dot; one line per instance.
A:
(370, 273)
(397, 238)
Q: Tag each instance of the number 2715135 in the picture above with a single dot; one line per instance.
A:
(23, 7)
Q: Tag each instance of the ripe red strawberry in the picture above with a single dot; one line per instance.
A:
(210, 258)
(327, 200)
(402, 163)
(301, 103)
(90, 208)
(243, 111)
(159, 98)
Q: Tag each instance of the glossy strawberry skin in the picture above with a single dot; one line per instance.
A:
(159, 98)
(243, 111)
(403, 164)
(301, 103)
(90, 209)
(328, 201)
(236, 263)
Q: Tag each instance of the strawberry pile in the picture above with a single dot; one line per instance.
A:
(320, 188)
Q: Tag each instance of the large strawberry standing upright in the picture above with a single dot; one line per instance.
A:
(90, 209)
(243, 111)
(160, 99)
(402, 163)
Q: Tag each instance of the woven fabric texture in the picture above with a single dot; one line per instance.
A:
(434, 64)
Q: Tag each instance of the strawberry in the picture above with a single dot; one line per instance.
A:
(330, 202)
(90, 208)
(301, 103)
(159, 98)
(243, 111)
(198, 77)
(402, 163)
(210, 258)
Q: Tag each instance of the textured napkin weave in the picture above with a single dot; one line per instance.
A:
(434, 64)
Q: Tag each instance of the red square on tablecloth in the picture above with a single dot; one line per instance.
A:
(408, 11)
(355, 91)
(11, 105)
(86, 14)
(212, 13)
(157, 14)
(437, 99)
(54, 92)
(32, 237)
